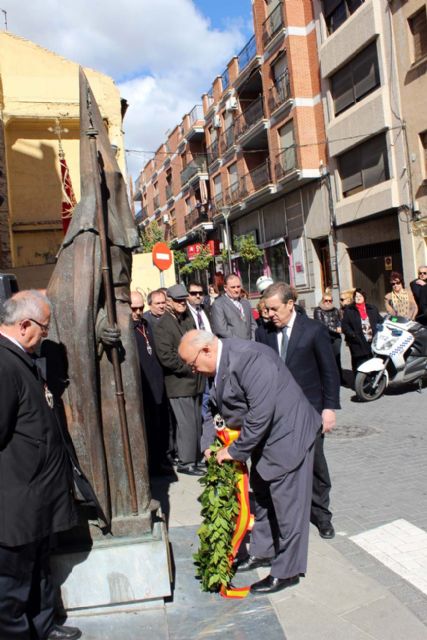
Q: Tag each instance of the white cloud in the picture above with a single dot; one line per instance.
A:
(162, 53)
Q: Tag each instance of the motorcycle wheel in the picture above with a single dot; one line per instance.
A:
(363, 386)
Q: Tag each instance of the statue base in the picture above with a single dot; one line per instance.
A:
(116, 573)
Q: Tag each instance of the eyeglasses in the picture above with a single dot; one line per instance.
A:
(141, 308)
(422, 273)
(343, 299)
(327, 300)
(193, 364)
(395, 282)
(195, 293)
(181, 300)
(43, 327)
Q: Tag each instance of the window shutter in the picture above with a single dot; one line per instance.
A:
(366, 72)
(342, 89)
(418, 25)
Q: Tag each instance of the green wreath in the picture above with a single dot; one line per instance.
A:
(220, 509)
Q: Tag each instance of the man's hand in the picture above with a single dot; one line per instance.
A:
(222, 455)
(329, 420)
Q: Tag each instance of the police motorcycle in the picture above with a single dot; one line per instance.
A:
(400, 356)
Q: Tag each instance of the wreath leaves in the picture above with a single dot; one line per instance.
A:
(220, 508)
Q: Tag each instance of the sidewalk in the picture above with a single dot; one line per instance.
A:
(335, 601)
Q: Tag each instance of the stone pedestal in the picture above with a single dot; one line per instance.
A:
(116, 574)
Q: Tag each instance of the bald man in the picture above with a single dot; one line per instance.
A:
(254, 391)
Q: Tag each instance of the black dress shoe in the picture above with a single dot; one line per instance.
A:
(64, 633)
(271, 584)
(251, 562)
(326, 531)
(190, 470)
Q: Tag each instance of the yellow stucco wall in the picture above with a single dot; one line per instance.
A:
(36, 87)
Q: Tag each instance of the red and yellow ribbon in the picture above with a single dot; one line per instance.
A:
(244, 519)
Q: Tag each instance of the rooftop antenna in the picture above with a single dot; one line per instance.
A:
(5, 18)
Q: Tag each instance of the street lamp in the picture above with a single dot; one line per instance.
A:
(325, 177)
(225, 211)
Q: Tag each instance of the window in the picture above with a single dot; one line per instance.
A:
(364, 166)
(423, 138)
(217, 188)
(336, 12)
(418, 27)
(354, 81)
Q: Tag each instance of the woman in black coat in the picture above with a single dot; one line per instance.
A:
(359, 325)
(330, 316)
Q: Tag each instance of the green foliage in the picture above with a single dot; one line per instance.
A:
(220, 509)
(150, 235)
(248, 249)
(202, 259)
(180, 257)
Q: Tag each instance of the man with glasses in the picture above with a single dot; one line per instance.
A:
(231, 314)
(184, 388)
(419, 289)
(35, 489)
(202, 321)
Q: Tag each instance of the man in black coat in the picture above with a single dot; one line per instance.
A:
(305, 347)
(35, 476)
(156, 412)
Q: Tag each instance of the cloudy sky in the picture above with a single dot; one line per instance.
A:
(163, 54)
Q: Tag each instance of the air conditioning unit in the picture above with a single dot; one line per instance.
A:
(216, 122)
(165, 218)
(231, 104)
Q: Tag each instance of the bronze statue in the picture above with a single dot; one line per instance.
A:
(90, 294)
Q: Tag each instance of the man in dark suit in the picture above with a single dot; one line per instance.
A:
(231, 315)
(305, 347)
(157, 306)
(253, 391)
(35, 472)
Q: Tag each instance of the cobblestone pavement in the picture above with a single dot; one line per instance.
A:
(377, 458)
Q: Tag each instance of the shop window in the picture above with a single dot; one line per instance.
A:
(354, 81)
(278, 262)
(364, 166)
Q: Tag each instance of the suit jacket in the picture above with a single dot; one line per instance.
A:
(310, 359)
(180, 381)
(35, 470)
(152, 378)
(256, 393)
(227, 322)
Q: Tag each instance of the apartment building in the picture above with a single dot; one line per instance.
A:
(410, 37)
(251, 159)
(367, 116)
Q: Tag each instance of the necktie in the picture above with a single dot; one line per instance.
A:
(240, 308)
(201, 324)
(284, 346)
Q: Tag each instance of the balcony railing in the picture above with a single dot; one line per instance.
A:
(272, 24)
(256, 179)
(213, 152)
(198, 165)
(280, 92)
(196, 114)
(197, 216)
(247, 54)
(141, 215)
(227, 140)
(168, 191)
(156, 202)
(232, 194)
(250, 116)
(225, 80)
(286, 161)
(210, 97)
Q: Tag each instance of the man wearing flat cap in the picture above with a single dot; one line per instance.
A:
(183, 387)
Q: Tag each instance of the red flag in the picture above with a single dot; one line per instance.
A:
(68, 198)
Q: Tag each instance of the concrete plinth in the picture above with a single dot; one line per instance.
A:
(116, 573)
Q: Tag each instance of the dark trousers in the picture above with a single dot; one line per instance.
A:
(27, 598)
(320, 513)
(282, 519)
(188, 416)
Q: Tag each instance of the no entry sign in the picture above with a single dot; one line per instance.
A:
(162, 256)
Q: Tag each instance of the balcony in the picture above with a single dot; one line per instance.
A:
(255, 180)
(225, 80)
(197, 216)
(141, 215)
(232, 195)
(195, 122)
(213, 152)
(196, 166)
(253, 114)
(172, 229)
(286, 162)
(272, 25)
(280, 92)
(156, 202)
(247, 54)
(227, 139)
